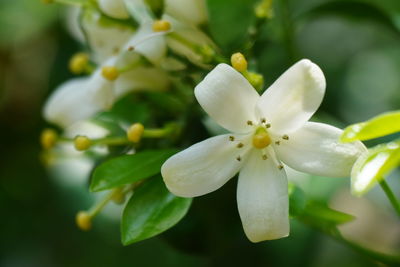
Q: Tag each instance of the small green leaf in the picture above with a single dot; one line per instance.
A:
(381, 125)
(373, 165)
(128, 169)
(151, 210)
(323, 215)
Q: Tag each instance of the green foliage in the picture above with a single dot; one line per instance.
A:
(379, 126)
(227, 29)
(151, 210)
(354, 10)
(374, 165)
(129, 169)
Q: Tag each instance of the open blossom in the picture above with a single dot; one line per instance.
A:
(267, 131)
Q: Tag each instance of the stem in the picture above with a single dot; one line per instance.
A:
(96, 209)
(390, 195)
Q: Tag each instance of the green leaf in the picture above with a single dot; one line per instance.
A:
(323, 215)
(230, 21)
(151, 210)
(129, 168)
(373, 166)
(381, 125)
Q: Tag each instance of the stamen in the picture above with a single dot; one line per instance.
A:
(231, 138)
(264, 157)
(263, 120)
(249, 123)
(238, 158)
(240, 145)
(268, 125)
(278, 142)
(285, 137)
(131, 48)
(280, 166)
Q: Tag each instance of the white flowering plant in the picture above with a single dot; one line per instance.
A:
(181, 108)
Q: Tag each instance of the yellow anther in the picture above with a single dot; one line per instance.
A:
(261, 139)
(135, 132)
(239, 62)
(82, 143)
(161, 26)
(48, 138)
(83, 220)
(111, 73)
(78, 63)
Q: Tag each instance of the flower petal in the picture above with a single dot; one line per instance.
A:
(114, 8)
(141, 79)
(189, 33)
(315, 149)
(203, 167)
(105, 40)
(228, 98)
(139, 10)
(292, 99)
(147, 43)
(262, 197)
(78, 99)
(188, 11)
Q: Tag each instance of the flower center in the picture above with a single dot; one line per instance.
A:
(261, 138)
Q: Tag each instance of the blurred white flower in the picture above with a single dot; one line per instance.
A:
(183, 37)
(81, 98)
(266, 129)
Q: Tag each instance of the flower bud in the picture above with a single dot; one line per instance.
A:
(48, 138)
(255, 79)
(78, 63)
(82, 143)
(83, 220)
(135, 132)
(239, 62)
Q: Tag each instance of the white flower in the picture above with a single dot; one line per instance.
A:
(81, 98)
(184, 19)
(266, 130)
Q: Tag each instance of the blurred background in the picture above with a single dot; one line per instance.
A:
(356, 44)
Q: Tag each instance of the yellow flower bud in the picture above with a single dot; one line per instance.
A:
(111, 73)
(78, 63)
(161, 26)
(82, 143)
(83, 220)
(135, 132)
(48, 138)
(239, 62)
